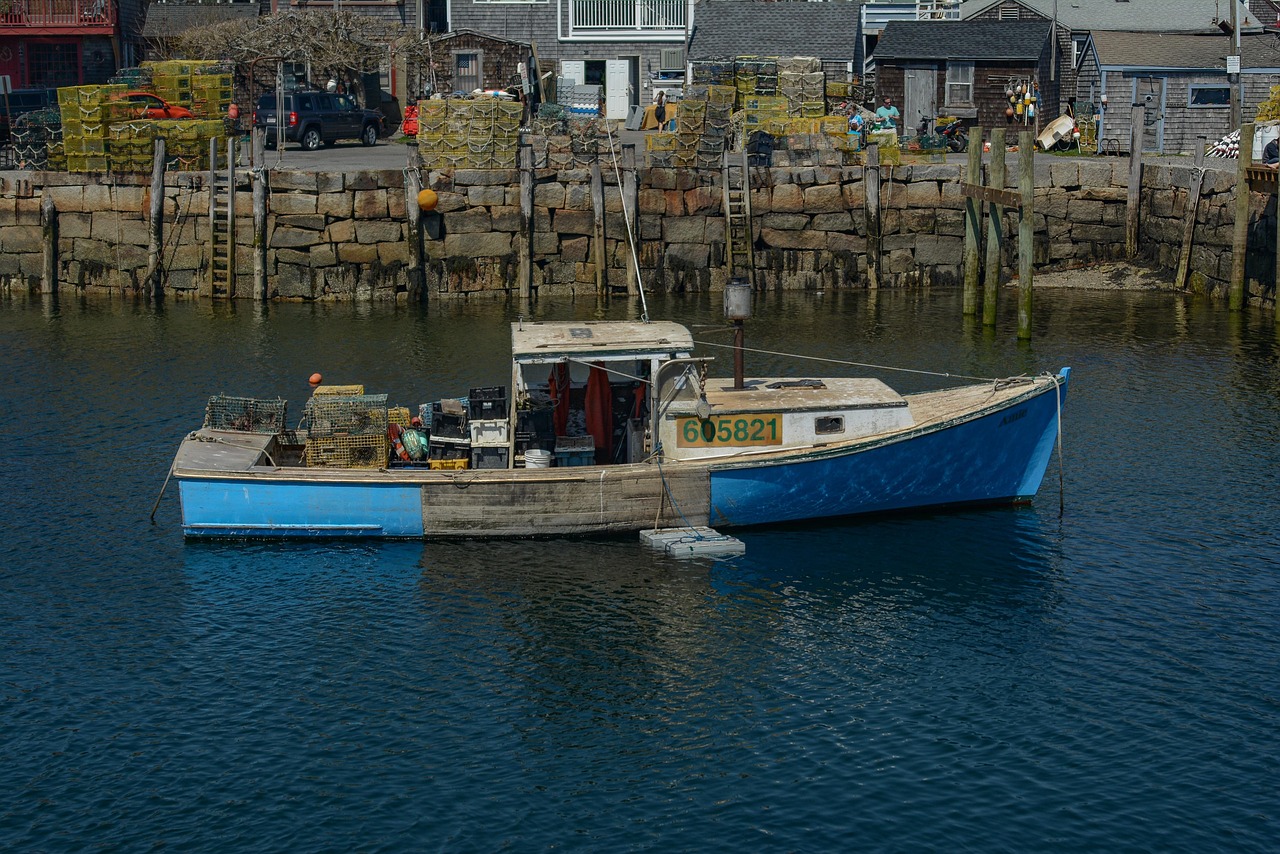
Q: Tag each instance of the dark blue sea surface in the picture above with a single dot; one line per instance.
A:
(993, 680)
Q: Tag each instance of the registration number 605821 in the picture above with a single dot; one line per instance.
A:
(725, 431)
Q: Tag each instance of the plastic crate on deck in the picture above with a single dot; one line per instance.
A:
(489, 457)
(488, 402)
(489, 432)
(575, 451)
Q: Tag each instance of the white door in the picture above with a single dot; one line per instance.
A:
(573, 71)
(919, 101)
(617, 88)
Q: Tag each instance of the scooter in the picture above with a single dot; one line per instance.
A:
(952, 133)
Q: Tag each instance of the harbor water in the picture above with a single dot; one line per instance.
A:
(1008, 679)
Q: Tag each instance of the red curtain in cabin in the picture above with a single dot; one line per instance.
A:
(599, 406)
(558, 384)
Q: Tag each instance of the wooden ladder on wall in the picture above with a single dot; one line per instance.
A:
(735, 178)
(222, 224)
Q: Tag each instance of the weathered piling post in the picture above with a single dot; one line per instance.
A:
(630, 210)
(1240, 234)
(597, 226)
(213, 214)
(49, 235)
(524, 240)
(231, 217)
(257, 156)
(1189, 223)
(995, 230)
(1134, 199)
(871, 184)
(413, 221)
(1026, 229)
(155, 223)
(972, 227)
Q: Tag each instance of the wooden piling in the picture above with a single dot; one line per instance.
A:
(213, 215)
(874, 226)
(1134, 200)
(1240, 234)
(972, 225)
(413, 222)
(257, 155)
(995, 231)
(524, 240)
(1189, 223)
(49, 234)
(597, 211)
(631, 210)
(1026, 229)
(155, 223)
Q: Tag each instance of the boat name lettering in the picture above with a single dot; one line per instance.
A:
(1013, 416)
(729, 431)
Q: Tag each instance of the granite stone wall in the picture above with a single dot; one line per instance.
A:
(345, 236)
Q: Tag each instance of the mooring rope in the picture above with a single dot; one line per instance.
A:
(626, 217)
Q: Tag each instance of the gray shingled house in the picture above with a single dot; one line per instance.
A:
(723, 29)
(964, 68)
(1181, 80)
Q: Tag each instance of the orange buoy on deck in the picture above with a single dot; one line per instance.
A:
(316, 379)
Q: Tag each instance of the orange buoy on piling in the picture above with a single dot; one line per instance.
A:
(316, 379)
(427, 200)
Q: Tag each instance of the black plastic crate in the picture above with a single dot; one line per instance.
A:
(489, 458)
(537, 423)
(488, 402)
(449, 450)
(448, 424)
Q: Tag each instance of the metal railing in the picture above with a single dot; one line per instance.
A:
(876, 15)
(60, 14)
(628, 15)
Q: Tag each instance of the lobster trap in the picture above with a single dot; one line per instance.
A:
(331, 415)
(348, 452)
(245, 414)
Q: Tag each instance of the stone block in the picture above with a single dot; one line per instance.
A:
(923, 194)
(341, 231)
(393, 253)
(1095, 174)
(483, 177)
(447, 202)
(779, 239)
(934, 251)
(661, 178)
(311, 222)
(573, 222)
(292, 203)
(1064, 173)
(675, 202)
(67, 199)
(357, 253)
(477, 196)
(584, 273)
(370, 204)
(549, 195)
(899, 261)
(19, 239)
(361, 181)
(1103, 194)
(323, 255)
(72, 225)
(506, 218)
(685, 229)
(949, 223)
(1089, 233)
(575, 249)
(1084, 211)
(692, 255)
(283, 237)
(294, 179)
(839, 242)
(396, 204)
(293, 281)
(468, 221)
(784, 221)
(702, 200)
(855, 195)
(842, 221)
(330, 182)
(578, 197)
(482, 245)
(936, 172)
(379, 232)
(546, 244)
(652, 202)
(787, 198)
(612, 199)
(918, 221)
(824, 198)
(761, 200)
(292, 256)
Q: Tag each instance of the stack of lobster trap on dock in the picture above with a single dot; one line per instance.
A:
(346, 428)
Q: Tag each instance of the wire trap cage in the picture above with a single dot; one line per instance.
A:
(245, 414)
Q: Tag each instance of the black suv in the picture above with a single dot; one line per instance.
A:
(318, 118)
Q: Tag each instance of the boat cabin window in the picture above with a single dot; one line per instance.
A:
(828, 425)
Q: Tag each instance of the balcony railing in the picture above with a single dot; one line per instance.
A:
(626, 16)
(58, 16)
(876, 14)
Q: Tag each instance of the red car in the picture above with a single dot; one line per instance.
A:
(154, 107)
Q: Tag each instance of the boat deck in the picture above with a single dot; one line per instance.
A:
(772, 394)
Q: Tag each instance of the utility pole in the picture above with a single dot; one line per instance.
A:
(1234, 78)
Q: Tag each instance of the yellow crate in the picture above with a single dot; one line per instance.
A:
(343, 390)
(660, 142)
(449, 465)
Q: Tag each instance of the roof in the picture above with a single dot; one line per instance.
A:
(727, 28)
(464, 31)
(547, 341)
(171, 19)
(963, 40)
(1182, 50)
(1134, 15)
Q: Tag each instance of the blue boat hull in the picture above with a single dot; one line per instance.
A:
(996, 458)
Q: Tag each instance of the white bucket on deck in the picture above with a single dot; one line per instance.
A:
(1263, 135)
(537, 459)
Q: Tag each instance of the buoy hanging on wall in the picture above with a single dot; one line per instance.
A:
(427, 200)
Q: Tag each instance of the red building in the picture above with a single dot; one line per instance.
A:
(49, 43)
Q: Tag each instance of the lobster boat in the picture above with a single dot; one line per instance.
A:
(612, 427)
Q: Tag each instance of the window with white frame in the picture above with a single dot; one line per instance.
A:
(959, 84)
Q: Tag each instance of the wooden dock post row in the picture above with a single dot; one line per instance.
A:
(998, 199)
